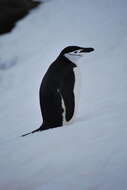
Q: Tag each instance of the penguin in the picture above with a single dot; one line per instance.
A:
(57, 86)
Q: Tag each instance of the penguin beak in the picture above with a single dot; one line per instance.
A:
(87, 50)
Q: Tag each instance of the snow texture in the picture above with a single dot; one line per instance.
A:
(89, 153)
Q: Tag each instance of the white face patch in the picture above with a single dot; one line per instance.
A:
(74, 56)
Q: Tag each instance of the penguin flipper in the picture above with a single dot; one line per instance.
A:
(69, 105)
(68, 95)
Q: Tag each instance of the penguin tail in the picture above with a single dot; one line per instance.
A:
(34, 131)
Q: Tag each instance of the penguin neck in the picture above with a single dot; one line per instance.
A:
(64, 59)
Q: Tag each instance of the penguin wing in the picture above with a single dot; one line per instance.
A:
(68, 95)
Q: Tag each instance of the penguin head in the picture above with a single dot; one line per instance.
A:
(74, 53)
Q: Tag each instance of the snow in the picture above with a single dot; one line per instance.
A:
(89, 153)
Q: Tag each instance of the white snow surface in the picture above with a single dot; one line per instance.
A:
(91, 152)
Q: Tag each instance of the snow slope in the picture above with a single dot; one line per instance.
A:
(90, 153)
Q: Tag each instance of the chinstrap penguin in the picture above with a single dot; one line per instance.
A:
(57, 85)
